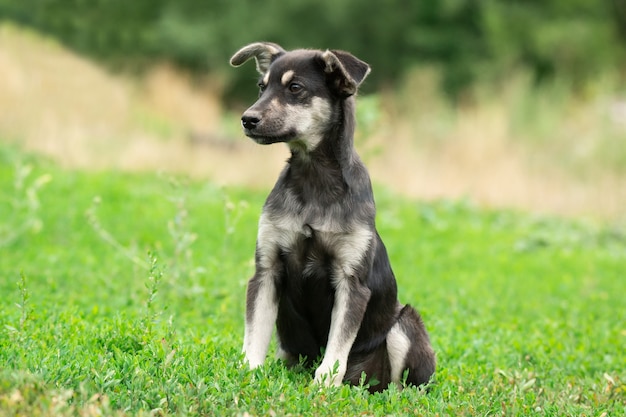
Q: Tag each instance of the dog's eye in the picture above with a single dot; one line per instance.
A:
(295, 87)
(261, 87)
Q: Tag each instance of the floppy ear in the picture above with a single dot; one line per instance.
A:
(263, 52)
(345, 71)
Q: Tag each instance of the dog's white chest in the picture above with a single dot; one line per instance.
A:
(347, 245)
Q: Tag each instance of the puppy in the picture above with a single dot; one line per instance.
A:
(323, 276)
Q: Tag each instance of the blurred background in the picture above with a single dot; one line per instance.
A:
(506, 103)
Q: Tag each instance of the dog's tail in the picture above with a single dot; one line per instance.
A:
(420, 359)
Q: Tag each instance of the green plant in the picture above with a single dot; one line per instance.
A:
(182, 237)
(92, 218)
(22, 217)
(24, 309)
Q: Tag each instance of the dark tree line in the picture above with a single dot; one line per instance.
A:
(466, 39)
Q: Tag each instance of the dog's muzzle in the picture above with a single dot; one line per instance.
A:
(252, 128)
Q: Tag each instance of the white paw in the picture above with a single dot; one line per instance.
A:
(282, 355)
(252, 362)
(329, 375)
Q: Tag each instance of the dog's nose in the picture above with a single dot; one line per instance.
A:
(249, 122)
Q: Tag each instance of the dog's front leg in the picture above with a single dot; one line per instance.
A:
(351, 298)
(261, 311)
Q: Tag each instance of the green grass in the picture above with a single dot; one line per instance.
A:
(124, 295)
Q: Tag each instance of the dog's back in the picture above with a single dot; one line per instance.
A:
(322, 271)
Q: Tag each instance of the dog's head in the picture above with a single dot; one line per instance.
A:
(299, 92)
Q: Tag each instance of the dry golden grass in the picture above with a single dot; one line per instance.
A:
(76, 112)
(502, 150)
(478, 156)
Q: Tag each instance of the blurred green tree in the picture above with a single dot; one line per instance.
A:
(466, 39)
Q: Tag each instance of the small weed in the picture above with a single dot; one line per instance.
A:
(23, 216)
(23, 307)
(155, 276)
(183, 238)
(94, 222)
(180, 263)
(24, 298)
(232, 215)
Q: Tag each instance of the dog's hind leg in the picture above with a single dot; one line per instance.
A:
(409, 349)
(374, 365)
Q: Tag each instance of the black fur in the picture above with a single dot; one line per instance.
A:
(325, 183)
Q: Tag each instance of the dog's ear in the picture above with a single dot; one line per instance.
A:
(263, 52)
(345, 71)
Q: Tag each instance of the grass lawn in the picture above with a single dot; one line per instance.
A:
(124, 295)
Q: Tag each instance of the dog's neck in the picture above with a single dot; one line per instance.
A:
(337, 144)
(325, 170)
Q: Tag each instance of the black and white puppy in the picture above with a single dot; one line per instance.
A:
(322, 272)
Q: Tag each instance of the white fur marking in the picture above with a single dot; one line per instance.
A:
(352, 248)
(259, 331)
(331, 61)
(275, 235)
(266, 78)
(398, 345)
(287, 77)
(311, 122)
(338, 347)
(282, 354)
